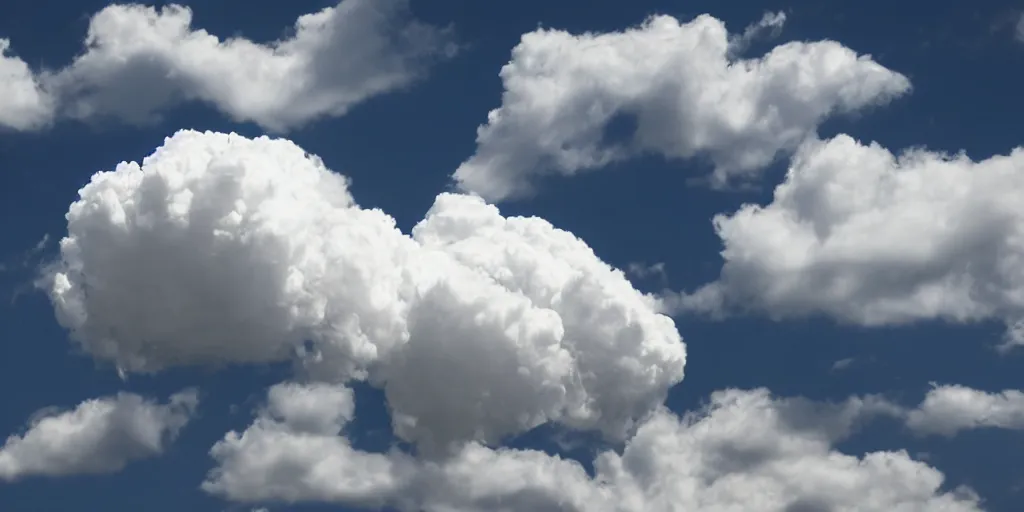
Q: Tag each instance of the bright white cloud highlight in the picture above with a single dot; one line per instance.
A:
(947, 410)
(873, 238)
(99, 436)
(24, 105)
(746, 451)
(140, 60)
(682, 88)
(220, 249)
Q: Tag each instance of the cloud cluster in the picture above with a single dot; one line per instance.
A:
(746, 450)
(220, 249)
(675, 89)
(99, 436)
(947, 410)
(139, 60)
(872, 238)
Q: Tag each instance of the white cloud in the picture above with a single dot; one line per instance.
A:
(170, 264)
(746, 451)
(683, 88)
(315, 408)
(220, 249)
(1019, 29)
(615, 358)
(99, 436)
(24, 105)
(949, 409)
(868, 237)
(139, 60)
(280, 457)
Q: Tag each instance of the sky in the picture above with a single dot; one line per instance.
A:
(475, 256)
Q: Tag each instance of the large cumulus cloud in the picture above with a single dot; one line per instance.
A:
(747, 450)
(139, 60)
(870, 237)
(220, 249)
(101, 435)
(682, 86)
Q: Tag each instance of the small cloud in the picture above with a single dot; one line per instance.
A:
(644, 271)
(771, 24)
(99, 436)
(842, 364)
(949, 409)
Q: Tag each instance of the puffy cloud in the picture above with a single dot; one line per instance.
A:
(621, 358)
(99, 436)
(949, 409)
(1019, 29)
(872, 238)
(169, 264)
(315, 408)
(293, 452)
(24, 105)
(676, 88)
(138, 60)
(220, 249)
(745, 451)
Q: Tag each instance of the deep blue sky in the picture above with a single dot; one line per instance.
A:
(400, 148)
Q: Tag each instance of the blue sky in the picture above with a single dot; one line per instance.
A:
(864, 281)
